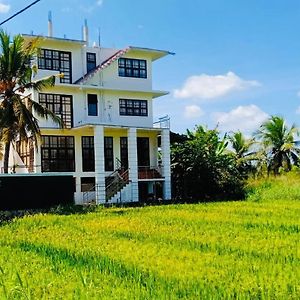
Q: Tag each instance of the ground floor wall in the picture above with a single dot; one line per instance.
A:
(92, 184)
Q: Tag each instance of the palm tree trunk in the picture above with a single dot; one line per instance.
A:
(6, 157)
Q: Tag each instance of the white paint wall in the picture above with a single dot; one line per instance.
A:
(108, 108)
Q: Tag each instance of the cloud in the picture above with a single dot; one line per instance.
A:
(245, 118)
(193, 112)
(208, 86)
(90, 8)
(4, 8)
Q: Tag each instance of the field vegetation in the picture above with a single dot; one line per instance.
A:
(231, 250)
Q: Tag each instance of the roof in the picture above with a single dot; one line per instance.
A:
(155, 53)
(81, 42)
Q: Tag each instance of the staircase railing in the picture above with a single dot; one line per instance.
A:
(114, 183)
(120, 180)
(146, 172)
(89, 196)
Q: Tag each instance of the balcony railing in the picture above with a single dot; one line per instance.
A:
(163, 122)
(146, 172)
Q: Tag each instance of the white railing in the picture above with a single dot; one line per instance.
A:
(163, 122)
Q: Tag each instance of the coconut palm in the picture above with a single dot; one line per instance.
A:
(278, 140)
(241, 149)
(18, 112)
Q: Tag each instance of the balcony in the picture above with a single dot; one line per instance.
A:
(163, 122)
(147, 172)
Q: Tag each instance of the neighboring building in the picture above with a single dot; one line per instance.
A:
(108, 143)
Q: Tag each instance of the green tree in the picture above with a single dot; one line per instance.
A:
(203, 169)
(278, 142)
(18, 112)
(241, 149)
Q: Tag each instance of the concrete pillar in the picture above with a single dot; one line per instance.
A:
(78, 195)
(37, 160)
(166, 163)
(99, 164)
(133, 163)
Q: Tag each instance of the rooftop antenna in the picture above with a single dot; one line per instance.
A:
(50, 25)
(86, 32)
(99, 37)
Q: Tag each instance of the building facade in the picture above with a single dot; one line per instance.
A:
(108, 142)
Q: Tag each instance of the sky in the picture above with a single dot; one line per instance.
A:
(236, 62)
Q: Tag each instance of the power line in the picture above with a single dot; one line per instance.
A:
(19, 12)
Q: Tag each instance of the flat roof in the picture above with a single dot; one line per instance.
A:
(53, 38)
(156, 52)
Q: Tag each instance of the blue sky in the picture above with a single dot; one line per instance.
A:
(236, 62)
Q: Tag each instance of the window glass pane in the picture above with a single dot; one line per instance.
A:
(133, 107)
(129, 67)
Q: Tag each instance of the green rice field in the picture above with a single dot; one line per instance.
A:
(230, 250)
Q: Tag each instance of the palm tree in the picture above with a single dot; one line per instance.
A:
(279, 142)
(241, 147)
(18, 112)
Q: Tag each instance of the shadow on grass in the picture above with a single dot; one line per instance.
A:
(72, 209)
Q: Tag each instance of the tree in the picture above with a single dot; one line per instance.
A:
(18, 112)
(278, 142)
(203, 169)
(241, 149)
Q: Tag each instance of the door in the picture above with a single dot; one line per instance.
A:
(143, 152)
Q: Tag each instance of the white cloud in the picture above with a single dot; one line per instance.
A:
(193, 112)
(90, 8)
(4, 8)
(245, 118)
(208, 86)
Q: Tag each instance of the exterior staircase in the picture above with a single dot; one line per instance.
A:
(115, 184)
(117, 188)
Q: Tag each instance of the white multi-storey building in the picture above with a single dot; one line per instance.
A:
(109, 142)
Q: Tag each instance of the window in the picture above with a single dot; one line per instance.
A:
(90, 61)
(58, 153)
(129, 67)
(57, 61)
(109, 153)
(61, 105)
(130, 107)
(92, 105)
(124, 152)
(88, 184)
(88, 154)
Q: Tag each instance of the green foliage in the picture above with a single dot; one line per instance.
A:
(202, 169)
(242, 149)
(229, 250)
(17, 110)
(278, 144)
(284, 186)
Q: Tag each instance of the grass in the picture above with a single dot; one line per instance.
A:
(231, 250)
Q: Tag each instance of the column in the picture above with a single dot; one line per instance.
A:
(166, 163)
(37, 159)
(78, 195)
(99, 164)
(133, 163)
